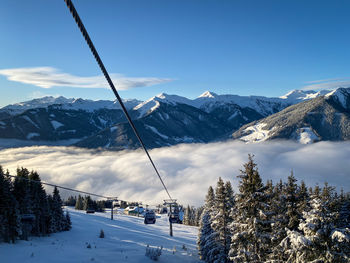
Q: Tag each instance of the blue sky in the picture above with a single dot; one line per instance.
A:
(177, 47)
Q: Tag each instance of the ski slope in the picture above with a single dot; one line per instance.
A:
(125, 240)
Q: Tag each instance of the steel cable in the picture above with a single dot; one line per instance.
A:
(105, 73)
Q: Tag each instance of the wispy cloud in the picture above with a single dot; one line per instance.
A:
(48, 77)
(327, 84)
(188, 170)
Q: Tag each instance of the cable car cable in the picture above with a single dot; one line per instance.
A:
(62, 187)
(105, 73)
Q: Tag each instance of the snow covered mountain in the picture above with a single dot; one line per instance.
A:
(210, 101)
(168, 125)
(64, 103)
(162, 120)
(322, 118)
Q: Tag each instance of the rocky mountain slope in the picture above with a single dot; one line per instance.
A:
(322, 118)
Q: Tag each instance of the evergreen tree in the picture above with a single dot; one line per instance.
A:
(204, 242)
(87, 203)
(286, 217)
(292, 203)
(318, 239)
(40, 206)
(251, 228)
(223, 203)
(209, 200)
(209, 248)
(51, 223)
(71, 201)
(343, 220)
(230, 198)
(26, 209)
(186, 220)
(10, 225)
(68, 222)
(79, 204)
(303, 198)
(198, 214)
(329, 196)
(316, 192)
(21, 191)
(58, 220)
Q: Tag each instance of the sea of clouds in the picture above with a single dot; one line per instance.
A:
(187, 169)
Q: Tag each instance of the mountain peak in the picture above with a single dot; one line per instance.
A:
(303, 94)
(340, 94)
(297, 94)
(162, 95)
(208, 94)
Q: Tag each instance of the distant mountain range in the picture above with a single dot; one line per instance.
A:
(166, 120)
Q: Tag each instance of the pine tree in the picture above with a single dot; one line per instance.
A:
(21, 191)
(316, 192)
(4, 206)
(209, 248)
(87, 203)
(68, 222)
(79, 204)
(40, 206)
(286, 217)
(220, 220)
(303, 198)
(292, 203)
(343, 220)
(251, 227)
(71, 201)
(229, 196)
(187, 216)
(318, 239)
(190, 216)
(58, 220)
(329, 196)
(51, 223)
(209, 200)
(10, 225)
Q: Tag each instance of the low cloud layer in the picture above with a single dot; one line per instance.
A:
(48, 77)
(188, 170)
(327, 84)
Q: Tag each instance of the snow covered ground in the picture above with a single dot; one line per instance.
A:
(125, 240)
(307, 136)
(258, 134)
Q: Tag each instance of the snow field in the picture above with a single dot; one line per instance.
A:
(258, 134)
(126, 239)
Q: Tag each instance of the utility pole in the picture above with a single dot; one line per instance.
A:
(170, 202)
(138, 209)
(112, 210)
(112, 205)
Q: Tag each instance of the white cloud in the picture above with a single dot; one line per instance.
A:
(48, 77)
(327, 84)
(188, 169)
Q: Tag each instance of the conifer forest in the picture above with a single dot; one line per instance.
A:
(26, 209)
(283, 222)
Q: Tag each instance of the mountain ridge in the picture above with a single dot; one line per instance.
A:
(322, 118)
(162, 120)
